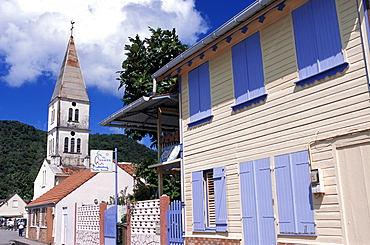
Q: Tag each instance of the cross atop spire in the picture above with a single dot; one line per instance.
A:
(72, 22)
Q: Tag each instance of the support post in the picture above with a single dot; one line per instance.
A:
(164, 202)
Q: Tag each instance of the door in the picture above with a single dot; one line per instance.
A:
(64, 226)
(257, 207)
(354, 175)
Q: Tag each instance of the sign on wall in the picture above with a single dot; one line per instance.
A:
(101, 161)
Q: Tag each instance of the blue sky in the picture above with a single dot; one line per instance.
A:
(34, 37)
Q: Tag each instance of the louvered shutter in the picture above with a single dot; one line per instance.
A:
(198, 201)
(219, 177)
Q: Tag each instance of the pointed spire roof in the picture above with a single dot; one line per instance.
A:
(70, 84)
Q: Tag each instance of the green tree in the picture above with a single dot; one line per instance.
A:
(144, 58)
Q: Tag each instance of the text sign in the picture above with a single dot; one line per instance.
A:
(101, 161)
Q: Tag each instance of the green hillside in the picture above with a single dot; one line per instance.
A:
(23, 148)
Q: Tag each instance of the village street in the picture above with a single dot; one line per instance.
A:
(7, 236)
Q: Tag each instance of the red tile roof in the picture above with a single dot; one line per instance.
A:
(71, 170)
(58, 192)
(127, 167)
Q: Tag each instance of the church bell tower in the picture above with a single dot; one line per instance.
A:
(69, 115)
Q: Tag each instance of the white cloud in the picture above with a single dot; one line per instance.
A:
(34, 34)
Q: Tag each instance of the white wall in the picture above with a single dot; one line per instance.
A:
(40, 187)
(100, 187)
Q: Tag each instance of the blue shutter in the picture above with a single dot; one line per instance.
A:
(199, 95)
(240, 72)
(317, 37)
(255, 66)
(284, 191)
(194, 93)
(305, 41)
(328, 35)
(294, 194)
(248, 72)
(249, 205)
(264, 202)
(198, 199)
(257, 208)
(219, 178)
(302, 193)
(204, 90)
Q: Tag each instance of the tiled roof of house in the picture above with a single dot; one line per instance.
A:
(71, 170)
(61, 190)
(127, 167)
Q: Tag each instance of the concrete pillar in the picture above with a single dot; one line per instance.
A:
(164, 202)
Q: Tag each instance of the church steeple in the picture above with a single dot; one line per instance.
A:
(70, 84)
(69, 114)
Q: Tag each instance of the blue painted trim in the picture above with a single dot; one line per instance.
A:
(207, 230)
(321, 75)
(200, 121)
(249, 102)
(294, 234)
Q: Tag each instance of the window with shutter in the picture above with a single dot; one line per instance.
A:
(209, 200)
(199, 95)
(248, 72)
(318, 42)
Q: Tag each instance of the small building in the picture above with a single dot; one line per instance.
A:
(13, 207)
(52, 215)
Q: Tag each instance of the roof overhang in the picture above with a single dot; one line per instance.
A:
(142, 114)
(249, 11)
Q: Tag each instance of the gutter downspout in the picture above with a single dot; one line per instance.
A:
(364, 28)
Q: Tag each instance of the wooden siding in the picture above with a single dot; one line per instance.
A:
(289, 119)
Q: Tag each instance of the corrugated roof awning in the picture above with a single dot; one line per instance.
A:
(142, 114)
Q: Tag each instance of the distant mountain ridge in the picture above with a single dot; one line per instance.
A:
(23, 148)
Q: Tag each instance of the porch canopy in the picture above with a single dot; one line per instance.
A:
(157, 113)
(147, 113)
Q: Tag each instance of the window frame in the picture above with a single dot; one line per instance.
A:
(201, 213)
(66, 144)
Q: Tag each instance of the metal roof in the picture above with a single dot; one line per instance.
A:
(70, 84)
(142, 114)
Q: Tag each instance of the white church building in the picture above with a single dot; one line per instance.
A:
(68, 126)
